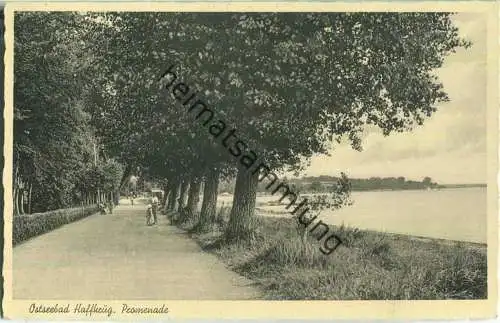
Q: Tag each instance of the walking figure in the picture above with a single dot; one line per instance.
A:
(149, 214)
(110, 206)
(132, 199)
(154, 204)
(101, 207)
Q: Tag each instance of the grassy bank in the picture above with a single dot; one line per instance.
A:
(369, 265)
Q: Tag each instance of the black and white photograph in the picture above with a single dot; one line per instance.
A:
(160, 156)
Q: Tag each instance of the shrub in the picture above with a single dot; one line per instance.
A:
(28, 226)
(349, 235)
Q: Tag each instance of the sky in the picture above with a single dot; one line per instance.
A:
(451, 145)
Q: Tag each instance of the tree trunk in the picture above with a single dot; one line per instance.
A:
(209, 204)
(29, 198)
(167, 196)
(18, 200)
(182, 196)
(173, 195)
(242, 224)
(19, 196)
(117, 197)
(126, 174)
(15, 191)
(21, 202)
(16, 209)
(193, 199)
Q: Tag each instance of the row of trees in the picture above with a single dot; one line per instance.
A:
(58, 159)
(289, 83)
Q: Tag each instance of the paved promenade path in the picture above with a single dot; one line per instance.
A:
(118, 257)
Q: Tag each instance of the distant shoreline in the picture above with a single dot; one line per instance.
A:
(325, 184)
(392, 189)
(439, 187)
(461, 185)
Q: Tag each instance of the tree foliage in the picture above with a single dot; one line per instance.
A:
(53, 130)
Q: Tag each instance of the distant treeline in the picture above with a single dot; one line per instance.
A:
(461, 185)
(324, 183)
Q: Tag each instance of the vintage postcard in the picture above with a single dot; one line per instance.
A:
(251, 160)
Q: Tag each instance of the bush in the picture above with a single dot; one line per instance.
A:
(31, 225)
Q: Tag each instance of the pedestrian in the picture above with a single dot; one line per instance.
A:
(102, 208)
(154, 204)
(110, 206)
(149, 213)
(132, 199)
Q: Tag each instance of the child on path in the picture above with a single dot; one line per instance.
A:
(154, 204)
(149, 214)
(110, 206)
(102, 208)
